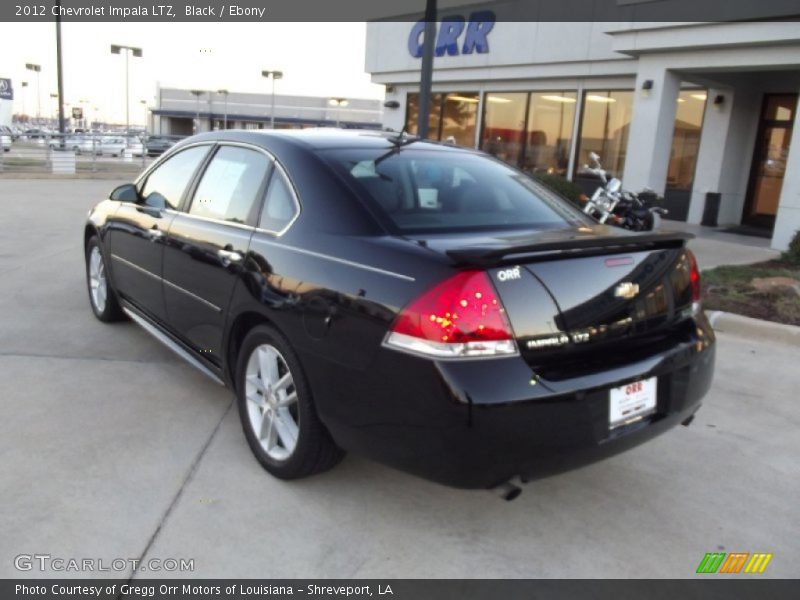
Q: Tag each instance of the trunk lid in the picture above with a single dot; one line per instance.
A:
(573, 294)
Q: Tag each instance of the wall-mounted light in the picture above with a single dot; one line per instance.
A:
(647, 85)
(389, 89)
(391, 104)
(719, 100)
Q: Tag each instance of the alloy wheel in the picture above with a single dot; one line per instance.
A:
(97, 280)
(272, 402)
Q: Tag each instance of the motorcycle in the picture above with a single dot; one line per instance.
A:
(610, 203)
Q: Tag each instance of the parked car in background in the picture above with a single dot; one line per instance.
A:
(136, 147)
(35, 133)
(77, 143)
(117, 146)
(8, 132)
(157, 145)
(5, 141)
(423, 304)
(111, 146)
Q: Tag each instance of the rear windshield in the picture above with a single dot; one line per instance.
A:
(422, 190)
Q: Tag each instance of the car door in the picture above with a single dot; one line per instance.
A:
(207, 243)
(137, 229)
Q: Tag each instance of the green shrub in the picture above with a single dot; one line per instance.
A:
(792, 255)
(558, 184)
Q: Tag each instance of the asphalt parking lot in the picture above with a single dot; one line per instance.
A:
(112, 447)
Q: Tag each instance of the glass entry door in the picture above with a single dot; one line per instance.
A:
(769, 160)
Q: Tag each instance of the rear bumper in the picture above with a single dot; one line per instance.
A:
(478, 423)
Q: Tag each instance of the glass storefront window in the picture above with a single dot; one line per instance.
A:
(530, 130)
(452, 117)
(780, 107)
(686, 139)
(605, 126)
(549, 132)
(434, 115)
(459, 119)
(504, 125)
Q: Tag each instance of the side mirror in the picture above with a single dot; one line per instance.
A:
(614, 185)
(126, 192)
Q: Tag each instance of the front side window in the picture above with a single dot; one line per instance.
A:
(229, 188)
(421, 190)
(165, 186)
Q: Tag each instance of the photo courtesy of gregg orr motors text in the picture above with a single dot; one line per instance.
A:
(57, 564)
(195, 590)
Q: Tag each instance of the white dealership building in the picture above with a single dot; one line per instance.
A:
(6, 101)
(702, 112)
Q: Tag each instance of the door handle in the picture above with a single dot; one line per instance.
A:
(155, 234)
(229, 256)
(153, 211)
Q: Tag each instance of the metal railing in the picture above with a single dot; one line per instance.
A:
(79, 155)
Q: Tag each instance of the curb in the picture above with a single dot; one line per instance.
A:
(746, 326)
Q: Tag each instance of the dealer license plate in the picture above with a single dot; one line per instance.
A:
(630, 403)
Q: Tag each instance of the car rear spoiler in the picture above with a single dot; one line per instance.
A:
(578, 246)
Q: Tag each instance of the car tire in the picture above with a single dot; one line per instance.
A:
(102, 297)
(277, 409)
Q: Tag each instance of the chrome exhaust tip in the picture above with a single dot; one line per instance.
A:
(507, 491)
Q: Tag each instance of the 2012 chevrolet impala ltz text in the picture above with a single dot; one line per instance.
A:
(421, 304)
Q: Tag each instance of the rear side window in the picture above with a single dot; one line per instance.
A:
(229, 188)
(280, 206)
(430, 190)
(165, 185)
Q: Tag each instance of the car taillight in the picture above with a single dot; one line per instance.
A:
(694, 276)
(460, 317)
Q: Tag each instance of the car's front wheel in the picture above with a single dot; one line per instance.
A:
(101, 295)
(277, 410)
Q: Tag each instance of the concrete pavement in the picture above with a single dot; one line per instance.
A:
(714, 247)
(112, 447)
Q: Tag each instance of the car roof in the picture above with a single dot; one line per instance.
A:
(322, 138)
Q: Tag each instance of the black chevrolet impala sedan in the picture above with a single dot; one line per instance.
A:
(421, 304)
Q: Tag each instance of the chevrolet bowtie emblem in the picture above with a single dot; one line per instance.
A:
(626, 290)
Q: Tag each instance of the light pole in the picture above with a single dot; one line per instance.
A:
(137, 52)
(196, 94)
(24, 85)
(224, 94)
(274, 75)
(54, 96)
(59, 74)
(338, 103)
(36, 69)
(426, 69)
(83, 102)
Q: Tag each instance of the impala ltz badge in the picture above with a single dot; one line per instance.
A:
(507, 274)
(626, 290)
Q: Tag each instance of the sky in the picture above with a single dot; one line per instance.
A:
(317, 59)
